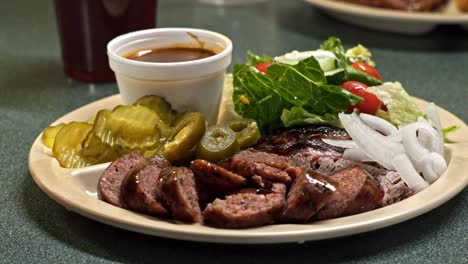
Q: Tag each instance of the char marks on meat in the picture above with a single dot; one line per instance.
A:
(309, 193)
(109, 185)
(298, 139)
(270, 167)
(355, 193)
(179, 191)
(390, 182)
(244, 210)
(215, 177)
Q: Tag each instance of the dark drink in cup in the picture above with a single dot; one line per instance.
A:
(86, 26)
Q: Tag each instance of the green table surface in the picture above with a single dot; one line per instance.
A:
(34, 92)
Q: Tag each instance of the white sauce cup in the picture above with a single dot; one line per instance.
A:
(188, 86)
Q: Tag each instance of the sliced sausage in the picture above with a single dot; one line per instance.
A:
(309, 193)
(246, 209)
(140, 191)
(215, 177)
(355, 193)
(109, 185)
(179, 191)
(159, 160)
(271, 167)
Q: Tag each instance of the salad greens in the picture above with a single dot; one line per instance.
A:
(265, 97)
(334, 45)
(359, 53)
(401, 109)
(301, 88)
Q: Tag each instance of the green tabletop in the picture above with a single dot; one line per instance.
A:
(34, 92)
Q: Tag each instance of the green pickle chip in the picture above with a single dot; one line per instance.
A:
(94, 150)
(67, 146)
(159, 105)
(49, 133)
(128, 126)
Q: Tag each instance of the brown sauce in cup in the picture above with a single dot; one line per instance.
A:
(170, 54)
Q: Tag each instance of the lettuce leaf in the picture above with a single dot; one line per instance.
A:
(401, 108)
(264, 97)
(299, 116)
(334, 45)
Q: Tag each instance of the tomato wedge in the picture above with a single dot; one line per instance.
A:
(371, 102)
(364, 67)
(263, 67)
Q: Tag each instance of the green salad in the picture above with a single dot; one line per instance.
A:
(308, 87)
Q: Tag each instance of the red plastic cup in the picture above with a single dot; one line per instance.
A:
(86, 26)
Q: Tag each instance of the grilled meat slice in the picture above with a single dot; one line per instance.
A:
(215, 177)
(140, 191)
(355, 193)
(309, 193)
(110, 182)
(271, 167)
(297, 139)
(390, 182)
(246, 209)
(179, 191)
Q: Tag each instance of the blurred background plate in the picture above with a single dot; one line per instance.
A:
(393, 20)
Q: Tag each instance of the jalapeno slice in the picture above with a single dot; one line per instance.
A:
(247, 132)
(219, 142)
(49, 133)
(187, 132)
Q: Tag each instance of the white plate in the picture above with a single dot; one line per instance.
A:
(392, 20)
(76, 190)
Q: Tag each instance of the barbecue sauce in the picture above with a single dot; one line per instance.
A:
(170, 54)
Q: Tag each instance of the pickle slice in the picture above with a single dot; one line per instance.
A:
(129, 126)
(96, 151)
(188, 131)
(159, 105)
(67, 146)
(49, 133)
(247, 132)
(218, 143)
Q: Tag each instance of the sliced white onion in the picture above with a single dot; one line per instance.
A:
(423, 120)
(425, 138)
(413, 147)
(432, 166)
(434, 118)
(355, 154)
(379, 124)
(408, 173)
(340, 143)
(395, 137)
(375, 145)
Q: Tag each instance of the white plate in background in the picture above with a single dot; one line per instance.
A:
(393, 20)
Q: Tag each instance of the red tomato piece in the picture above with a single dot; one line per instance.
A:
(371, 102)
(263, 67)
(364, 67)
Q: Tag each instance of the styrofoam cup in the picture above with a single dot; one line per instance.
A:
(188, 86)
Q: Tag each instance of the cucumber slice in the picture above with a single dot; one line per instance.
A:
(327, 64)
(335, 76)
